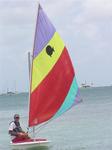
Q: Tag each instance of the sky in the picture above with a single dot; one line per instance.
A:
(84, 25)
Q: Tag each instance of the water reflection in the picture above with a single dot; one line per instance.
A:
(35, 148)
(39, 148)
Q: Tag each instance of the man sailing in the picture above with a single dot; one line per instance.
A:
(15, 130)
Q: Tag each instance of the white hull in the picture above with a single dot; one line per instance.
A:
(29, 144)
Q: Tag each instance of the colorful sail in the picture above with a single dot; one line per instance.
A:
(54, 89)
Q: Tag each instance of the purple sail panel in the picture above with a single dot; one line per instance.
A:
(44, 32)
(78, 98)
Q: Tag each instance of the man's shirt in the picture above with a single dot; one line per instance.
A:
(12, 126)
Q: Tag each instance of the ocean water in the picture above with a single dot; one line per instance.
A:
(87, 126)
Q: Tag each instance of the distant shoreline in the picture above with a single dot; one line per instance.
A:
(88, 87)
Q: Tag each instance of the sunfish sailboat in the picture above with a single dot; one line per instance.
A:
(53, 86)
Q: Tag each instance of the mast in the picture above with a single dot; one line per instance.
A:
(30, 64)
(29, 67)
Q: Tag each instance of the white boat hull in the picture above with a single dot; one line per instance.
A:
(29, 144)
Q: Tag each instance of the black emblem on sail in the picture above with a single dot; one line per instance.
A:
(49, 50)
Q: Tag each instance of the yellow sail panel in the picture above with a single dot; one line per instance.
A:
(44, 62)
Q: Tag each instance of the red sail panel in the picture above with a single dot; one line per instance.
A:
(48, 97)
